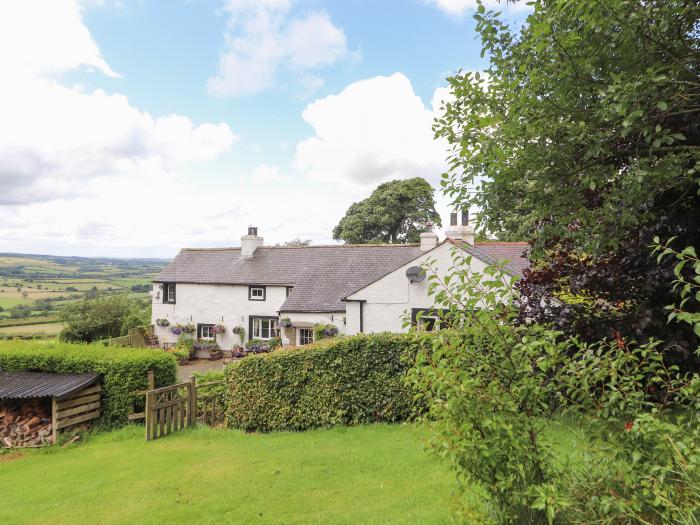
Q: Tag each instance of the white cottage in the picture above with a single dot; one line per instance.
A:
(357, 288)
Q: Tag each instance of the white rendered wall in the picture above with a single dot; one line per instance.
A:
(389, 298)
(214, 304)
(307, 320)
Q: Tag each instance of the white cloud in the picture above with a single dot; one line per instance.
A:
(37, 36)
(265, 173)
(459, 8)
(79, 164)
(374, 130)
(265, 37)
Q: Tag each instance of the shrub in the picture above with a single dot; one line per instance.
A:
(352, 380)
(263, 346)
(488, 386)
(93, 319)
(642, 417)
(187, 343)
(124, 370)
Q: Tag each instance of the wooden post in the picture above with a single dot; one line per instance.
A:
(151, 380)
(192, 412)
(150, 415)
(54, 420)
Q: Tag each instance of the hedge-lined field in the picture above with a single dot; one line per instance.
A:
(343, 381)
(123, 370)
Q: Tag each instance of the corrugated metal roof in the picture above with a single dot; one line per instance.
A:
(23, 385)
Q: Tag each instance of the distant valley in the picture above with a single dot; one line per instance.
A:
(34, 288)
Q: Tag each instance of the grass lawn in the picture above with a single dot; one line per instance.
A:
(367, 474)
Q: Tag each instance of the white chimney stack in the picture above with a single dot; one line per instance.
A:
(428, 239)
(460, 232)
(250, 243)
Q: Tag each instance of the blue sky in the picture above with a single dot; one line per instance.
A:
(145, 126)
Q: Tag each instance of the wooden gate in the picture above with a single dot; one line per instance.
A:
(169, 409)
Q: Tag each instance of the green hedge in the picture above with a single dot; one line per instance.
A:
(348, 380)
(123, 370)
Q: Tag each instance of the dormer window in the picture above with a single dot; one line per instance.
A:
(256, 293)
(169, 293)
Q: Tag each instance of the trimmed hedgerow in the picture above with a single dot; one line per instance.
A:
(124, 370)
(343, 381)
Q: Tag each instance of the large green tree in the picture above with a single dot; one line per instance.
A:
(102, 317)
(396, 212)
(583, 136)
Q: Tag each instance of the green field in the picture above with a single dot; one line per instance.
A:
(368, 474)
(32, 330)
(46, 284)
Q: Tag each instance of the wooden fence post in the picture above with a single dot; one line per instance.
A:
(150, 415)
(192, 412)
(151, 380)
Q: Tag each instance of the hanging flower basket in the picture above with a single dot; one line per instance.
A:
(162, 322)
(189, 328)
(286, 322)
(177, 329)
(238, 330)
(219, 329)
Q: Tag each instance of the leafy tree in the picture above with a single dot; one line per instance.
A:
(298, 242)
(396, 212)
(20, 311)
(583, 136)
(93, 319)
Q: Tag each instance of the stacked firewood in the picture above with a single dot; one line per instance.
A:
(25, 424)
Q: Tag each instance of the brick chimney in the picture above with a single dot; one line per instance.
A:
(250, 243)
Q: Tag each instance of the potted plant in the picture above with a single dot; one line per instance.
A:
(286, 322)
(324, 331)
(162, 322)
(238, 352)
(189, 328)
(262, 346)
(219, 329)
(177, 329)
(215, 352)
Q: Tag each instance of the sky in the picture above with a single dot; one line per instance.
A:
(134, 128)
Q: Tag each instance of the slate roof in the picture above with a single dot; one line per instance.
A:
(23, 385)
(511, 251)
(321, 276)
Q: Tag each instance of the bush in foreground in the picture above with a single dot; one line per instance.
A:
(124, 370)
(347, 381)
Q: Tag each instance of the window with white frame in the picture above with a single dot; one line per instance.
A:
(264, 328)
(256, 293)
(306, 336)
(206, 331)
